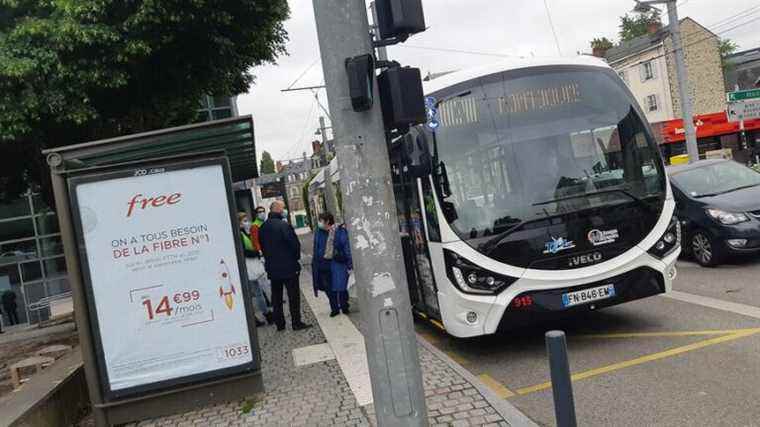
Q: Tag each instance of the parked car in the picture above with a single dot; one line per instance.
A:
(718, 204)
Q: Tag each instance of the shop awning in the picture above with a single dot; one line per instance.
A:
(707, 125)
(234, 137)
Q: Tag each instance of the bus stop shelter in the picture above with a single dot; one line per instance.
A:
(228, 144)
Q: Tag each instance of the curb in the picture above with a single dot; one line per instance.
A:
(512, 415)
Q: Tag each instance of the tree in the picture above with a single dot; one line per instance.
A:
(267, 164)
(726, 47)
(79, 70)
(637, 25)
(603, 44)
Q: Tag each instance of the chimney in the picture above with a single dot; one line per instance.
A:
(654, 27)
(599, 52)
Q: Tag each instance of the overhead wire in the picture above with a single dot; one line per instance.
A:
(551, 24)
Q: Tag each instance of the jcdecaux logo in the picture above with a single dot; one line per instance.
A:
(140, 202)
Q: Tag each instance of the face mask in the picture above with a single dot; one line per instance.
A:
(321, 225)
(285, 213)
(262, 216)
(246, 225)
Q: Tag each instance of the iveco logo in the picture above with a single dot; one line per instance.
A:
(586, 259)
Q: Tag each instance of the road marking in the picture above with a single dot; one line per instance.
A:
(740, 333)
(664, 334)
(457, 358)
(733, 307)
(436, 341)
(496, 386)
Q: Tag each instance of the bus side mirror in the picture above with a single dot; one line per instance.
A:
(417, 154)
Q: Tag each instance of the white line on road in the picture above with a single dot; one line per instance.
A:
(733, 307)
(347, 344)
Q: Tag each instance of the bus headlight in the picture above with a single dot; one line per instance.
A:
(471, 279)
(669, 241)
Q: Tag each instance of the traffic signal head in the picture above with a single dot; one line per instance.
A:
(401, 97)
(399, 18)
(361, 75)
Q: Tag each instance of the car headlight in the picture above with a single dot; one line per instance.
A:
(727, 218)
(669, 241)
(471, 279)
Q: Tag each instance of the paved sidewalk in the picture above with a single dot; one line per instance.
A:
(305, 382)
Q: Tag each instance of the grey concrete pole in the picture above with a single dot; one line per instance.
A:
(683, 83)
(370, 209)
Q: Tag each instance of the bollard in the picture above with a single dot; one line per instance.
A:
(562, 386)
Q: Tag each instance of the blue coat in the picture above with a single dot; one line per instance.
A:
(319, 265)
(341, 262)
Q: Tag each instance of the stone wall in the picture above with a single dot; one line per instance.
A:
(703, 65)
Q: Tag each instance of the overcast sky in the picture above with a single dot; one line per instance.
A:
(285, 122)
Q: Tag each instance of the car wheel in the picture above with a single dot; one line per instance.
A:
(704, 250)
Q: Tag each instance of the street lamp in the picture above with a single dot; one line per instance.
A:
(683, 79)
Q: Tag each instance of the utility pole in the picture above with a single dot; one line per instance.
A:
(681, 74)
(388, 328)
(330, 200)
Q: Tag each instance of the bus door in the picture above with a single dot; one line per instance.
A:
(419, 271)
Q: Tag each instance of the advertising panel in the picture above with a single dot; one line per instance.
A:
(162, 275)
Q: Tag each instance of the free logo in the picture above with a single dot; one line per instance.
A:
(586, 259)
(141, 202)
(599, 237)
(558, 244)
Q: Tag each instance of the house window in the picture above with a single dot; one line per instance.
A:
(647, 71)
(651, 103)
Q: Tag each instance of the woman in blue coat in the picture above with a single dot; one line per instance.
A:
(342, 265)
(321, 268)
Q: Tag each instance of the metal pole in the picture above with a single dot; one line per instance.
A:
(562, 386)
(683, 84)
(370, 209)
(382, 52)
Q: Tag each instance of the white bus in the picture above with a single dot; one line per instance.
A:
(547, 195)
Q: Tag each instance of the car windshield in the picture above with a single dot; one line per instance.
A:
(542, 143)
(716, 178)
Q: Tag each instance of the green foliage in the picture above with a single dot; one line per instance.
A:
(307, 200)
(637, 25)
(726, 47)
(78, 70)
(267, 164)
(601, 43)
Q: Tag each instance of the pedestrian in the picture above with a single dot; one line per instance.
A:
(339, 251)
(255, 269)
(282, 255)
(321, 268)
(9, 306)
(258, 221)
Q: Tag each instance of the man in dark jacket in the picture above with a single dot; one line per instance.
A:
(282, 253)
(9, 306)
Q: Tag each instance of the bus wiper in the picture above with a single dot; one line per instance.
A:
(727, 191)
(595, 193)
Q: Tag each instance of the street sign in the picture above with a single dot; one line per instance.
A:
(743, 110)
(742, 95)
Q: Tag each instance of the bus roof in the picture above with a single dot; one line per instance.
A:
(457, 77)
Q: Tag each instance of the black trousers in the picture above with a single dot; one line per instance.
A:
(12, 315)
(294, 300)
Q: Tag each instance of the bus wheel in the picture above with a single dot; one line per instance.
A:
(704, 249)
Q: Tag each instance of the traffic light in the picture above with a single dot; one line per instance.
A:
(399, 18)
(401, 97)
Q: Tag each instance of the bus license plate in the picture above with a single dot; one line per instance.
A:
(588, 295)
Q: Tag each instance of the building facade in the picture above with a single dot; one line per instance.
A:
(647, 65)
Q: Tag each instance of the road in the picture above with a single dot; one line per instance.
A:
(659, 361)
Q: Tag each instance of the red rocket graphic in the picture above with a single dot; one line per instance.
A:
(225, 279)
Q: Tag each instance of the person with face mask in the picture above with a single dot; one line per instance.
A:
(264, 283)
(321, 267)
(255, 269)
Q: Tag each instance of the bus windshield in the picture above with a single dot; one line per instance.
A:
(539, 143)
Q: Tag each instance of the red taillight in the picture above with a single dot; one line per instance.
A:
(522, 302)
